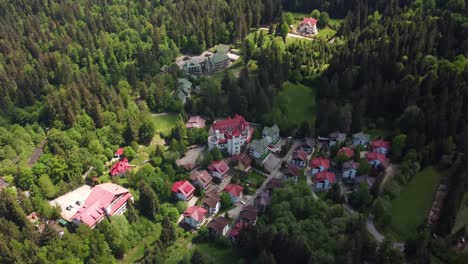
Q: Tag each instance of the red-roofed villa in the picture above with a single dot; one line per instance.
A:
(119, 153)
(324, 180)
(230, 134)
(183, 190)
(319, 165)
(194, 216)
(308, 26)
(195, 122)
(377, 159)
(381, 146)
(235, 191)
(201, 178)
(120, 168)
(345, 151)
(218, 169)
(299, 158)
(106, 199)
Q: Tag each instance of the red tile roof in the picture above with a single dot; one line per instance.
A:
(376, 156)
(345, 151)
(234, 189)
(195, 212)
(380, 144)
(325, 175)
(202, 176)
(183, 187)
(220, 166)
(229, 124)
(300, 154)
(309, 20)
(104, 197)
(320, 162)
(119, 152)
(120, 167)
(195, 122)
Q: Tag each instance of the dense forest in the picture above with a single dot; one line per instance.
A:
(83, 77)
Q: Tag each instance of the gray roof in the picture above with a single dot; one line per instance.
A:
(349, 165)
(222, 48)
(218, 57)
(361, 136)
(337, 136)
(271, 131)
(259, 145)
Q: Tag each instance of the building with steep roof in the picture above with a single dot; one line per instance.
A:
(219, 226)
(212, 203)
(308, 26)
(120, 168)
(217, 62)
(218, 169)
(235, 191)
(195, 122)
(243, 161)
(319, 165)
(349, 169)
(299, 158)
(345, 151)
(324, 180)
(230, 134)
(360, 139)
(105, 199)
(259, 148)
(271, 134)
(183, 190)
(201, 178)
(381, 146)
(194, 216)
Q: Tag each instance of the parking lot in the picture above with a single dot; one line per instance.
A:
(72, 201)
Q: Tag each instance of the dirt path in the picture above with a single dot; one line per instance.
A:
(291, 35)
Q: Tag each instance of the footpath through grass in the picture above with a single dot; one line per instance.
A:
(411, 207)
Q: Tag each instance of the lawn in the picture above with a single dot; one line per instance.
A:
(462, 216)
(325, 33)
(216, 254)
(165, 123)
(335, 22)
(302, 98)
(411, 207)
(256, 179)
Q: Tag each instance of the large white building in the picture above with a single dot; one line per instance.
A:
(230, 134)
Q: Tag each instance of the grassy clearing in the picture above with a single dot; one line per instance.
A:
(462, 216)
(411, 207)
(335, 22)
(216, 254)
(325, 33)
(165, 123)
(303, 100)
(256, 179)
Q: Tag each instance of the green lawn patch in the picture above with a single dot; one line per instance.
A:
(462, 216)
(165, 123)
(256, 179)
(411, 207)
(217, 254)
(325, 33)
(335, 22)
(295, 104)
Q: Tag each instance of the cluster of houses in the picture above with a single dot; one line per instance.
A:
(122, 166)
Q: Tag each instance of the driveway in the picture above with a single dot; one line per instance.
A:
(291, 35)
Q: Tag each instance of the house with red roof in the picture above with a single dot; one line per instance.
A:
(120, 168)
(212, 203)
(319, 165)
(201, 178)
(243, 161)
(377, 159)
(194, 216)
(308, 26)
(219, 226)
(349, 169)
(183, 190)
(346, 152)
(381, 146)
(230, 134)
(105, 199)
(292, 173)
(195, 122)
(218, 169)
(324, 180)
(299, 158)
(235, 191)
(119, 153)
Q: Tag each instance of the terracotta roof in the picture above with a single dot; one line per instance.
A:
(202, 176)
(242, 158)
(320, 162)
(183, 187)
(310, 20)
(218, 224)
(119, 152)
(195, 212)
(230, 124)
(300, 154)
(249, 212)
(220, 166)
(120, 167)
(345, 151)
(325, 175)
(234, 189)
(376, 156)
(195, 122)
(380, 144)
(104, 197)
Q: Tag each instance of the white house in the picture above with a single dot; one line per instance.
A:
(360, 139)
(271, 134)
(259, 148)
(308, 26)
(219, 226)
(235, 191)
(218, 169)
(212, 203)
(349, 169)
(230, 134)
